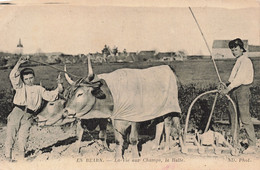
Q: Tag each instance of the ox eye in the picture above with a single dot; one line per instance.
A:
(51, 104)
(80, 94)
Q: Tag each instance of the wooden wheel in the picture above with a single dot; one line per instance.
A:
(216, 92)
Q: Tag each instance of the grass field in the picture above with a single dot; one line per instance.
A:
(200, 72)
(195, 76)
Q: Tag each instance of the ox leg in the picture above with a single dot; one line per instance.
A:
(177, 126)
(119, 130)
(168, 125)
(133, 138)
(103, 134)
(158, 135)
(79, 132)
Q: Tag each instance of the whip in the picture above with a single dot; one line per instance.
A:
(54, 68)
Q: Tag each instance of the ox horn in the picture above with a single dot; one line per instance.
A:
(70, 81)
(90, 70)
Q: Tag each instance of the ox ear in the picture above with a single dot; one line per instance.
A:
(98, 93)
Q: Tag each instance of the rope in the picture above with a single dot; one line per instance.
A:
(55, 68)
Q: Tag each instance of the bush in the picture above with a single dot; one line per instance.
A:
(254, 102)
(6, 104)
(187, 93)
(202, 108)
(3, 61)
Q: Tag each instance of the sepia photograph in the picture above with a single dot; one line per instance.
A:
(133, 84)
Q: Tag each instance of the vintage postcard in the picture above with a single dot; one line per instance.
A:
(113, 84)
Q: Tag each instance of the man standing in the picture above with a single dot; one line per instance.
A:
(240, 79)
(27, 101)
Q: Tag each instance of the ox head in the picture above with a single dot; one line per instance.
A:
(81, 95)
(51, 113)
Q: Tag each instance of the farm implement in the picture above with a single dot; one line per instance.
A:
(209, 140)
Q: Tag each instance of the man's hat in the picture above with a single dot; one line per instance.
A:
(236, 42)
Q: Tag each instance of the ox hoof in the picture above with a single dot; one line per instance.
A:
(167, 148)
(156, 147)
(135, 155)
(105, 145)
(201, 150)
(234, 152)
(184, 150)
(119, 156)
(76, 150)
(110, 150)
(134, 151)
(217, 151)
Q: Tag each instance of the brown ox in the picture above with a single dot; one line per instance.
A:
(127, 97)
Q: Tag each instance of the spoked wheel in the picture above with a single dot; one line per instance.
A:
(216, 93)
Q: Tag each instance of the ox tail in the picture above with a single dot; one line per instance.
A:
(179, 84)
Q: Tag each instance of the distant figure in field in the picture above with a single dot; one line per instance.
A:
(27, 101)
(240, 79)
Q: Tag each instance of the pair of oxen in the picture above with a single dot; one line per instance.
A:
(127, 97)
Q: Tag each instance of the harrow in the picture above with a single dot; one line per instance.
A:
(209, 140)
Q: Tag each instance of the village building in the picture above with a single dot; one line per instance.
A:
(180, 55)
(53, 58)
(67, 58)
(166, 56)
(97, 57)
(145, 55)
(111, 58)
(131, 57)
(121, 56)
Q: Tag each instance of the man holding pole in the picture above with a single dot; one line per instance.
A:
(240, 79)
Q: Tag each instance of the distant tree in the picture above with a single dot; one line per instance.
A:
(3, 61)
(114, 51)
(12, 61)
(76, 59)
(124, 51)
(106, 51)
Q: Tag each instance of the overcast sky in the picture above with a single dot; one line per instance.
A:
(83, 28)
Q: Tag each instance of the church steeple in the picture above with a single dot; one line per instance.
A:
(20, 43)
(19, 46)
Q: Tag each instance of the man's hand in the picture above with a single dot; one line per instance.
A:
(225, 91)
(221, 86)
(23, 59)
